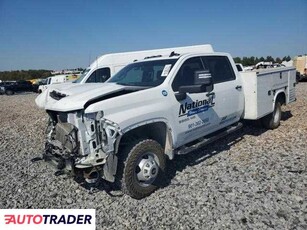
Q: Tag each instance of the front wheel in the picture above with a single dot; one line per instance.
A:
(272, 121)
(143, 168)
(9, 92)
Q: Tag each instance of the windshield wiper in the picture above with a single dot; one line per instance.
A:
(137, 85)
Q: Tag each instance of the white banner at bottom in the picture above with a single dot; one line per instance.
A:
(47, 219)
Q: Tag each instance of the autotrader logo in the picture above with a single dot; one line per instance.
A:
(47, 219)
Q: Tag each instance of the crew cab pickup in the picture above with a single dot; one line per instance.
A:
(151, 110)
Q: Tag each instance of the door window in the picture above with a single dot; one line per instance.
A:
(99, 75)
(185, 75)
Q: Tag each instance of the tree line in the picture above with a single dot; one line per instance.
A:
(250, 61)
(24, 74)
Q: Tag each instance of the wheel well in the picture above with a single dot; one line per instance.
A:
(281, 97)
(155, 131)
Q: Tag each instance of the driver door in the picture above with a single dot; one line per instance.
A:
(200, 114)
(195, 115)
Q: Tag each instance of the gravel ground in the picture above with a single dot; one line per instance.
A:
(252, 179)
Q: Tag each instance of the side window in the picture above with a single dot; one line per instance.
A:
(185, 75)
(239, 68)
(219, 67)
(99, 75)
(103, 74)
(92, 78)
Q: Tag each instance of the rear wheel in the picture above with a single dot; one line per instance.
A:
(272, 121)
(143, 168)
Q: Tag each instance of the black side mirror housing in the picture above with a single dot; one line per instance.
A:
(192, 89)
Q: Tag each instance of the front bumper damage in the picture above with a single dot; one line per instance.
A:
(83, 145)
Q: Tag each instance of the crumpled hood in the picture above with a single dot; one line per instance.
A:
(76, 96)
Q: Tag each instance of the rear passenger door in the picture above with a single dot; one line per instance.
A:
(227, 90)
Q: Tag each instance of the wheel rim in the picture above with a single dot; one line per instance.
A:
(277, 115)
(147, 169)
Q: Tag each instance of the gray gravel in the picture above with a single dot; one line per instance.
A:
(252, 179)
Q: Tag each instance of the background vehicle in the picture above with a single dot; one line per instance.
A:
(240, 67)
(109, 64)
(52, 80)
(3, 84)
(18, 86)
(300, 63)
(153, 109)
(268, 65)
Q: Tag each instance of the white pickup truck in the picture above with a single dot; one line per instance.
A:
(153, 109)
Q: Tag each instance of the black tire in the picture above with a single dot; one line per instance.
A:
(9, 92)
(39, 91)
(298, 77)
(143, 168)
(272, 121)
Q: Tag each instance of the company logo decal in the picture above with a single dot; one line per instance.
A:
(195, 107)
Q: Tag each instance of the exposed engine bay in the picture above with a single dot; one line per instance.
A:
(82, 145)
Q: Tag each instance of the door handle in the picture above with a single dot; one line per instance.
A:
(239, 87)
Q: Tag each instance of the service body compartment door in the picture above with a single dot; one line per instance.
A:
(291, 85)
(261, 88)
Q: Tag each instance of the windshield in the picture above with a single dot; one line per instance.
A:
(149, 73)
(83, 74)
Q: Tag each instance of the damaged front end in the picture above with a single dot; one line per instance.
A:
(83, 145)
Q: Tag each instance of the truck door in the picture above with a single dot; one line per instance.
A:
(200, 114)
(228, 91)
